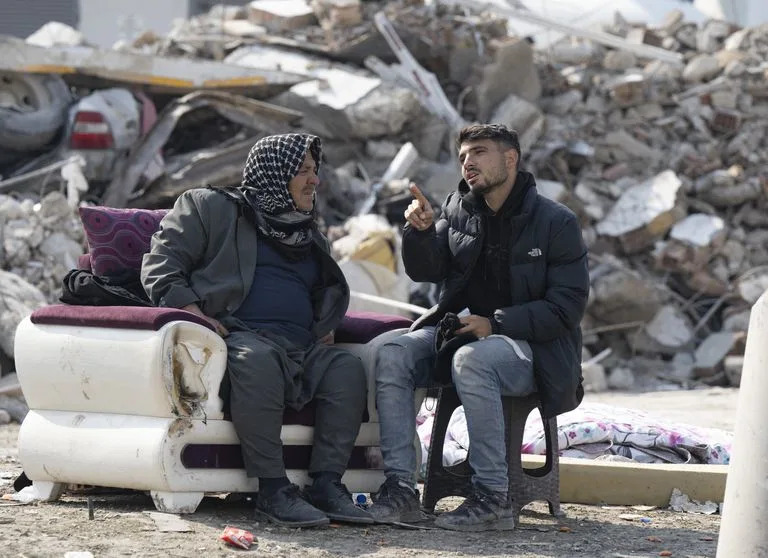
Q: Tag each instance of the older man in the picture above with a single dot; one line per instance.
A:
(251, 260)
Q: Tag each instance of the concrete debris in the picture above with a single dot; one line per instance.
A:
(682, 503)
(644, 213)
(712, 352)
(523, 116)
(281, 15)
(750, 287)
(653, 136)
(595, 378)
(670, 328)
(733, 365)
(512, 57)
(624, 297)
(621, 378)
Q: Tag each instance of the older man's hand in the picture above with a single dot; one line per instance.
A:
(195, 309)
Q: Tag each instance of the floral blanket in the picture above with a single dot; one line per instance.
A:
(593, 430)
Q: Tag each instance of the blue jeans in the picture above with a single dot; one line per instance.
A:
(482, 372)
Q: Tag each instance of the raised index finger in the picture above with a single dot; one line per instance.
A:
(418, 195)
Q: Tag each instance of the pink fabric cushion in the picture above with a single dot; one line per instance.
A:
(361, 327)
(118, 238)
(128, 317)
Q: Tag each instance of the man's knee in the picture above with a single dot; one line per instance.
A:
(390, 361)
(351, 372)
(470, 368)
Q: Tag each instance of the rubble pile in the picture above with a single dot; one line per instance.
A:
(655, 138)
(668, 168)
(42, 241)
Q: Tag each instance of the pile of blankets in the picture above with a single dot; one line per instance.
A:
(594, 430)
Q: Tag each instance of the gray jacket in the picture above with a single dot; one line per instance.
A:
(205, 253)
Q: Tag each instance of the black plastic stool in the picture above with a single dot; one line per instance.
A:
(525, 485)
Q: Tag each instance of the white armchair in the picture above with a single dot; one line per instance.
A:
(127, 397)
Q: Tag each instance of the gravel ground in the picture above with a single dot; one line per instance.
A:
(122, 527)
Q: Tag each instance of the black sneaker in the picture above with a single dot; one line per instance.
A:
(332, 497)
(396, 502)
(287, 508)
(483, 510)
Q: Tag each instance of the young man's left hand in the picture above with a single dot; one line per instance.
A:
(479, 325)
(327, 339)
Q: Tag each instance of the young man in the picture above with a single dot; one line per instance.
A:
(251, 260)
(517, 261)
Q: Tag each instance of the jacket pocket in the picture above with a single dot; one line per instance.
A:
(527, 282)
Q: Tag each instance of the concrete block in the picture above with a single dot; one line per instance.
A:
(644, 213)
(281, 15)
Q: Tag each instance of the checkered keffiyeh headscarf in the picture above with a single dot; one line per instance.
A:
(272, 162)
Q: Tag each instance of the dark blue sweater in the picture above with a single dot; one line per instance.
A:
(280, 296)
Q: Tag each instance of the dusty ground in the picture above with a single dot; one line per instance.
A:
(121, 528)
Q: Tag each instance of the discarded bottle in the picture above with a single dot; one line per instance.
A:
(361, 499)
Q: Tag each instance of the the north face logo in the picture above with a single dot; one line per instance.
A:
(535, 253)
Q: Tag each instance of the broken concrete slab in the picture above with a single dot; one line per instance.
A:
(712, 352)
(753, 284)
(61, 249)
(621, 378)
(552, 190)
(338, 13)
(644, 213)
(712, 35)
(620, 297)
(564, 103)
(735, 319)
(523, 116)
(701, 68)
(699, 229)
(628, 90)
(619, 60)
(281, 15)
(513, 57)
(670, 329)
(692, 242)
(87, 66)
(19, 301)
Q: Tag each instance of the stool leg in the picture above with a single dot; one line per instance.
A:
(527, 485)
(553, 463)
(516, 410)
(440, 482)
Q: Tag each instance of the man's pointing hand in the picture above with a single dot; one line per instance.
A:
(419, 214)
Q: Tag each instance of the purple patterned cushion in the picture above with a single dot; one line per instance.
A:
(361, 327)
(118, 238)
(128, 317)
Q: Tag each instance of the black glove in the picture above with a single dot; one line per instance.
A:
(446, 344)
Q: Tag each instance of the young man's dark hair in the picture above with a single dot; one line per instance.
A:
(495, 132)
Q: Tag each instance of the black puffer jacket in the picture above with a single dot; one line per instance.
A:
(549, 281)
